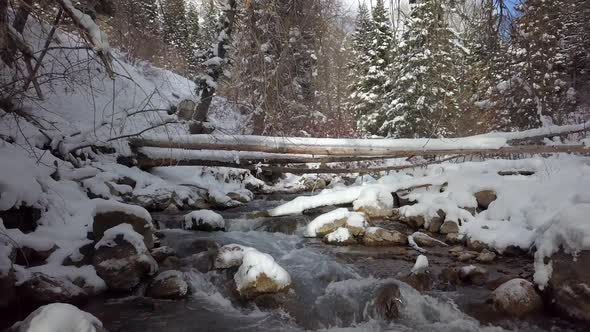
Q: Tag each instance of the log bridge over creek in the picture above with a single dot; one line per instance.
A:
(291, 154)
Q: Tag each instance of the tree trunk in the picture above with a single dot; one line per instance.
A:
(22, 14)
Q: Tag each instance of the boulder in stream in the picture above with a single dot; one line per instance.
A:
(569, 286)
(260, 274)
(168, 285)
(204, 220)
(377, 236)
(388, 301)
(340, 237)
(516, 297)
(122, 259)
(109, 214)
(326, 223)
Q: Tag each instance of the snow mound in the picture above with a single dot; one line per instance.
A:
(204, 217)
(374, 197)
(60, 317)
(106, 206)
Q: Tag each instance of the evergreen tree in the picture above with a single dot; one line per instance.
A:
(209, 27)
(425, 96)
(374, 44)
(175, 27)
(538, 94)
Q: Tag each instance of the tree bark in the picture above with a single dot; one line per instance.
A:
(22, 15)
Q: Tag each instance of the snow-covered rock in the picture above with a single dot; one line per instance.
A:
(204, 220)
(161, 253)
(375, 202)
(229, 256)
(377, 236)
(516, 297)
(59, 317)
(448, 227)
(242, 195)
(341, 236)
(425, 240)
(110, 213)
(7, 277)
(168, 285)
(327, 223)
(421, 265)
(122, 259)
(260, 274)
(43, 289)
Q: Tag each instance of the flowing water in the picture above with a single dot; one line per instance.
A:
(333, 289)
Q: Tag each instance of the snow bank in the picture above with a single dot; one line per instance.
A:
(60, 317)
(18, 183)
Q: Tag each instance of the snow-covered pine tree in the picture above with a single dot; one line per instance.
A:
(175, 27)
(210, 20)
(376, 54)
(538, 93)
(424, 101)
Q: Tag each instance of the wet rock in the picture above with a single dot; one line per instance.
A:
(58, 317)
(168, 285)
(454, 238)
(485, 198)
(186, 109)
(242, 196)
(449, 276)
(413, 221)
(161, 253)
(330, 227)
(33, 257)
(122, 265)
(82, 257)
(43, 289)
(401, 198)
(24, 218)
(476, 245)
(424, 240)
(466, 256)
(388, 301)
(436, 222)
(449, 227)
(569, 286)
(421, 282)
(204, 220)
(516, 297)
(157, 201)
(486, 256)
(340, 237)
(201, 245)
(104, 221)
(229, 256)
(376, 236)
(472, 274)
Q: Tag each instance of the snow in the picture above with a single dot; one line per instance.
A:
(208, 217)
(374, 197)
(18, 183)
(255, 263)
(129, 235)
(339, 235)
(61, 317)
(354, 219)
(421, 265)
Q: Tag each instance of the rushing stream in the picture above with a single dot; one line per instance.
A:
(334, 287)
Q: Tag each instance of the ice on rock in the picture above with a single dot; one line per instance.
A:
(421, 265)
